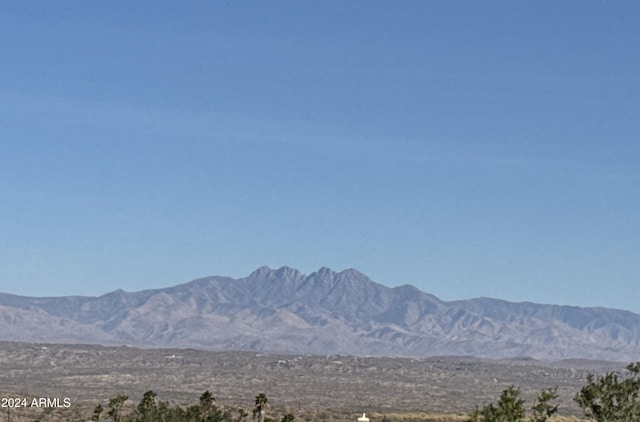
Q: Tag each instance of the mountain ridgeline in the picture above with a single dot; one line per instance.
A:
(324, 312)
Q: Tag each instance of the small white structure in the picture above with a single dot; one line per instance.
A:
(363, 418)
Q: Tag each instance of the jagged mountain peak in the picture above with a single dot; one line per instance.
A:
(286, 271)
(348, 275)
(283, 272)
(260, 272)
(353, 274)
(323, 276)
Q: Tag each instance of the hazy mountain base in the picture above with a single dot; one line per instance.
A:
(311, 387)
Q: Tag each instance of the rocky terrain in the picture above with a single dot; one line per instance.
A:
(284, 311)
(331, 387)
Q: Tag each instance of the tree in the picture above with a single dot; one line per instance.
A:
(259, 409)
(207, 406)
(97, 411)
(147, 410)
(148, 403)
(607, 398)
(115, 407)
(510, 407)
(207, 400)
(543, 409)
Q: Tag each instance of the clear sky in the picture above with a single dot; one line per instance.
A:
(468, 148)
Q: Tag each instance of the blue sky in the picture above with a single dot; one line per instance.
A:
(468, 148)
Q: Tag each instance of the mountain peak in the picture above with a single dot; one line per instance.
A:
(288, 272)
(352, 273)
(325, 271)
(295, 273)
(260, 271)
(283, 273)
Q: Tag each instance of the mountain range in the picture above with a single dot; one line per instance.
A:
(325, 312)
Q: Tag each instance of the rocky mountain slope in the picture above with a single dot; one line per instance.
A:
(324, 312)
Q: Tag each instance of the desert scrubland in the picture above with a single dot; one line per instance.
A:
(331, 387)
